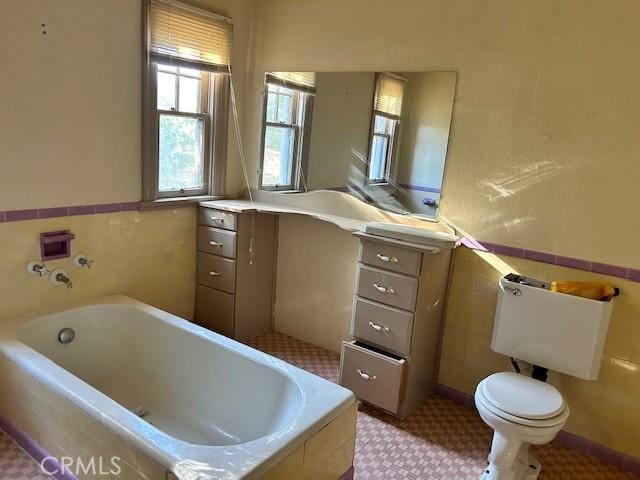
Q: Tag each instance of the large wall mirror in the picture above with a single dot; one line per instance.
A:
(380, 136)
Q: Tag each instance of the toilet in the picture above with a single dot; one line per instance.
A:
(553, 331)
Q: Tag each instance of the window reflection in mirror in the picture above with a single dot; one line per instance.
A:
(380, 136)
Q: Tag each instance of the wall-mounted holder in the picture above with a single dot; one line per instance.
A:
(54, 245)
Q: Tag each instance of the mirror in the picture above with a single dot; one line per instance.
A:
(379, 136)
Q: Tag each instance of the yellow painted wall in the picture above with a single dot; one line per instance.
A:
(315, 281)
(542, 154)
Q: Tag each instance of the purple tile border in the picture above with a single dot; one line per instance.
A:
(348, 475)
(544, 257)
(82, 210)
(33, 449)
(53, 212)
(455, 396)
(57, 212)
(18, 215)
(581, 444)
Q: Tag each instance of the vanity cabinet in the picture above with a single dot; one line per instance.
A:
(400, 293)
(235, 265)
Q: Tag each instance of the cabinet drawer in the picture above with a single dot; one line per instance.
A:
(217, 241)
(386, 327)
(217, 218)
(386, 287)
(371, 376)
(216, 272)
(391, 257)
(215, 309)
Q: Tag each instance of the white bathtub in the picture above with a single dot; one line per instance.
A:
(213, 408)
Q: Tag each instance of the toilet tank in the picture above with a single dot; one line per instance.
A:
(561, 332)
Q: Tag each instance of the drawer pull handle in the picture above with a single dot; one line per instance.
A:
(379, 328)
(215, 274)
(365, 375)
(387, 258)
(215, 244)
(216, 219)
(383, 289)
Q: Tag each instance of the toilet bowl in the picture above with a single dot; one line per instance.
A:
(521, 411)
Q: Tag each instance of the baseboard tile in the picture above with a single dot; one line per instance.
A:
(34, 450)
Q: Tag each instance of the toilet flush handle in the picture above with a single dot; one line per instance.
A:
(515, 291)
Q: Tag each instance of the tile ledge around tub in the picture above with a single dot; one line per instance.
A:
(618, 271)
(605, 454)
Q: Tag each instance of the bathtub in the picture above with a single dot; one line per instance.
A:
(201, 405)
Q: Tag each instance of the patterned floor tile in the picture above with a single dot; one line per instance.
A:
(15, 464)
(440, 440)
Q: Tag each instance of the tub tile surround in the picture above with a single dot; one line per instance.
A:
(147, 255)
(602, 411)
(46, 424)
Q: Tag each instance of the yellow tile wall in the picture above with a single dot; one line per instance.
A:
(604, 411)
(147, 255)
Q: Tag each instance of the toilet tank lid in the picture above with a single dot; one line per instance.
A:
(522, 396)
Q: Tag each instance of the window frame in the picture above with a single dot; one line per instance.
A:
(214, 106)
(300, 124)
(392, 139)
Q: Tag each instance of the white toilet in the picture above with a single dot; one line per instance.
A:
(551, 330)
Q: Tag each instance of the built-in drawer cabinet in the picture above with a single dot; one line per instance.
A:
(215, 309)
(387, 287)
(217, 218)
(391, 257)
(235, 264)
(395, 324)
(386, 327)
(217, 272)
(372, 376)
(217, 241)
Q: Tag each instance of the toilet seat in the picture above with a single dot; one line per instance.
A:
(522, 400)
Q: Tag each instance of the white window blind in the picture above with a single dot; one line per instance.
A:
(388, 96)
(180, 33)
(301, 80)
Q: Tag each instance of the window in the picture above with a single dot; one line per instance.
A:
(287, 119)
(185, 101)
(385, 122)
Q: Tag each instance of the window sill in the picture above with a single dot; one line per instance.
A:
(178, 202)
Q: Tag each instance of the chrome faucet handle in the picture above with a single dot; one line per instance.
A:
(82, 261)
(39, 269)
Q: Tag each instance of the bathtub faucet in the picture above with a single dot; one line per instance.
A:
(62, 278)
